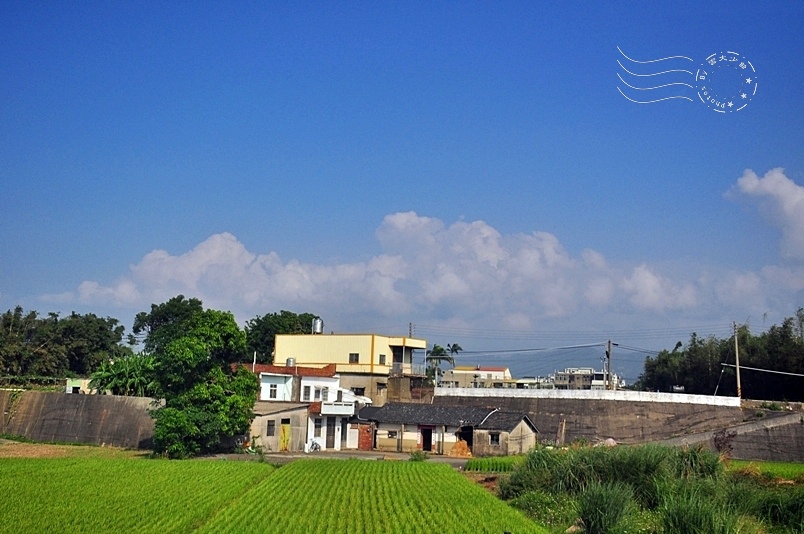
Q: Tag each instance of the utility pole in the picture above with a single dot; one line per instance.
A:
(737, 361)
(410, 329)
(610, 384)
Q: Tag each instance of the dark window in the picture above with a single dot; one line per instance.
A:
(359, 391)
(272, 391)
(317, 428)
(285, 421)
(270, 428)
(494, 439)
(354, 357)
(306, 393)
(382, 359)
(392, 434)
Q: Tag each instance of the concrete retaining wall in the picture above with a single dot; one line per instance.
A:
(62, 417)
(593, 416)
(778, 437)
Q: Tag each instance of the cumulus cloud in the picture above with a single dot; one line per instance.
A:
(781, 200)
(465, 272)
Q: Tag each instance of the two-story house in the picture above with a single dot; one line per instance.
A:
(298, 405)
(364, 362)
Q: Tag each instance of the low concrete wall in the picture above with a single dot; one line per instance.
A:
(590, 394)
(62, 417)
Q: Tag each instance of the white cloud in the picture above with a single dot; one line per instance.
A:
(465, 273)
(781, 200)
(650, 291)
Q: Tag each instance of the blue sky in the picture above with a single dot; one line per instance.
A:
(468, 167)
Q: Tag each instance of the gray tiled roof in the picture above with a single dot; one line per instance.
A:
(439, 414)
(505, 421)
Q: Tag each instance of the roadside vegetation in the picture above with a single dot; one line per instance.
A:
(651, 489)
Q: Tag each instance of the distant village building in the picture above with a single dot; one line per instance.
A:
(584, 378)
(478, 376)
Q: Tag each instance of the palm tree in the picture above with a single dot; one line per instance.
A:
(434, 357)
(453, 349)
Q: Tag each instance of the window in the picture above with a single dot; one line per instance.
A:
(359, 391)
(392, 434)
(382, 359)
(354, 357)
(317, 394)
(285, 421)
(272, 391)
(494, 439)
(306, 394)
(270, 428)
(325, 394)
(317, 428)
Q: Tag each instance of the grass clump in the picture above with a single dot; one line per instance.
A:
(602, 506)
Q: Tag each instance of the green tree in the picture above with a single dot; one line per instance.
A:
(261, 331)
(164, 322)
(205, 402)
(434, 358)
(31, 345)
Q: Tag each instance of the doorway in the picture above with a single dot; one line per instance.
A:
(427, 438)
(330, 433)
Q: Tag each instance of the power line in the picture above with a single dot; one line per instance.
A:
(762, 370)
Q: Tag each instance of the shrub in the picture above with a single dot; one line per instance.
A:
(783, 507)
(418, 456)
(691, 508)
(695, 462)
(602, 506)
(546, 508)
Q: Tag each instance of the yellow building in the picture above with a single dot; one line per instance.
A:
(364, 362)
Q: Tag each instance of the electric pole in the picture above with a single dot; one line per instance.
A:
(737, 361)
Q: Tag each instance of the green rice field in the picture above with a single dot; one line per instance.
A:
(783, 470)
(306, 496)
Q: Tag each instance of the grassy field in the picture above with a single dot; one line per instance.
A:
(782, 470)
(113, 494)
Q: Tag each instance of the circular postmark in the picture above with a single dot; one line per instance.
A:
(726, 82)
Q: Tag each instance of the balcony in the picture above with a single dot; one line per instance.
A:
(337, 408)
(407, 369)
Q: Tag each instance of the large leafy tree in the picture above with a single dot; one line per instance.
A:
(31, 345)
(261, 331)
(204, 402)
(164, 322)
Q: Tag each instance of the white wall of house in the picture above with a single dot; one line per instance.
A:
(274, 387)
(319, 388)
(317, 431)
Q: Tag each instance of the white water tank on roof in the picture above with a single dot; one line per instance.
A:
(318, 325)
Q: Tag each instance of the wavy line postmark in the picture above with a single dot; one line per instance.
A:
(725, 82)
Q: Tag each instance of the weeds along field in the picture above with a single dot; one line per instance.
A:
(306, 496)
